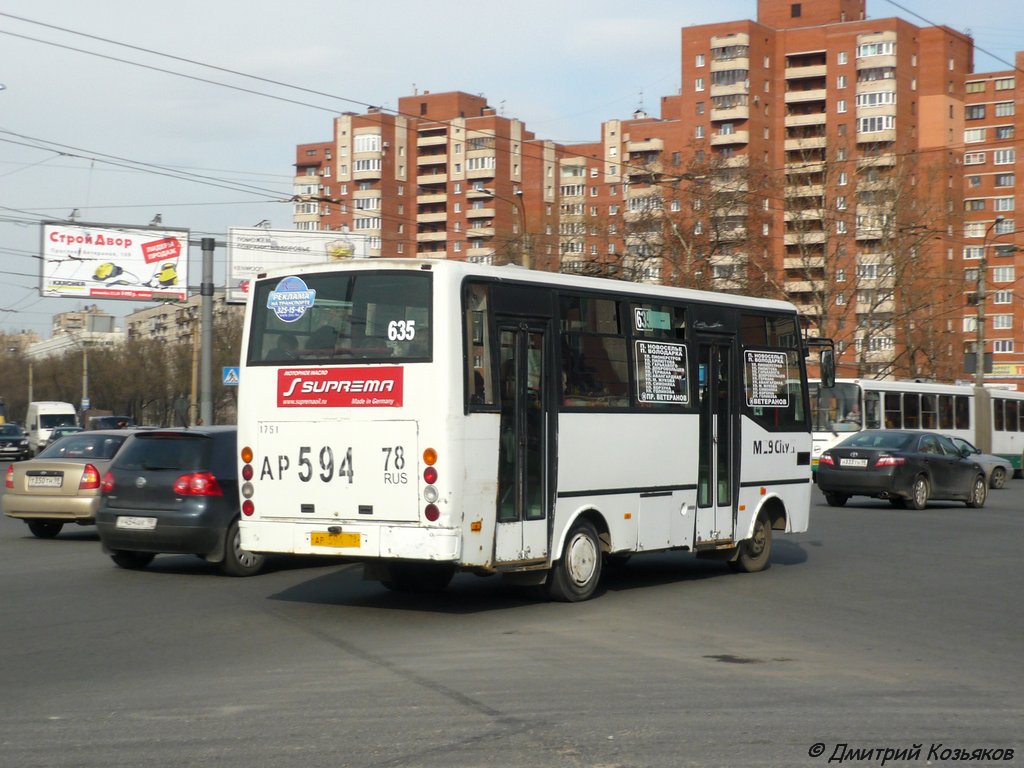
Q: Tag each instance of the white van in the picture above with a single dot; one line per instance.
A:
(43, 416)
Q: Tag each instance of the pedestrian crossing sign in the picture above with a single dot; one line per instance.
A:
(230, 376)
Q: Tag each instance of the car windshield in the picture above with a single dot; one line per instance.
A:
(888, 441)
(84, 446)
(10, 430)
(185, 452)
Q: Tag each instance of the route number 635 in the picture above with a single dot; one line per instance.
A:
(401, 330)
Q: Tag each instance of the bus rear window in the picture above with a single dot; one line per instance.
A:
(341, 317)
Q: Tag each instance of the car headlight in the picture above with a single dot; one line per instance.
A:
(23, 444)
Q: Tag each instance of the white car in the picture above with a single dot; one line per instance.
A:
(997, 469)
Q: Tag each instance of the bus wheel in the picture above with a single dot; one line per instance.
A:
(836, 499)
(416, 577)
(45, 529)
(755, 552)
(919, 493)
(998, 478)
(979, 490)
(575, 576)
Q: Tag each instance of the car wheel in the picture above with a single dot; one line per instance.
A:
(754, 553)
(919, 493)
(998, 479)
(238, 561)
(133, 561)
(836, 499)
(576, 575)
(979, 490)
(45, 529)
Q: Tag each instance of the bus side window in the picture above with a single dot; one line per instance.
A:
(478, 352)
(872, 412)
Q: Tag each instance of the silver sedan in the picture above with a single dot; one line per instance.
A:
(997, 469)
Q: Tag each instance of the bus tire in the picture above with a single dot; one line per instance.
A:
(920, 491)
(576, 574)
(836, 499)
(979, 491)
(417, 577)
(755, 553)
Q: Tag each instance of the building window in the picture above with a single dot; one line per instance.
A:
(974, 158)
(1002, 204)
(975, 112)
(841, 81)
(1004, 227)
(795, 10)
(699, 60)
(887, 48)
(876, 124)
(975, 86)
(1003, 275)
(1004, 132)
(974, 205)
(698, 84)
(974, 135)
(698, 132)
(1004, 109)
(1002, 346)
(1005, 84)
(1002, 297)
(1002, 322)
(841, 58)
(841, 105)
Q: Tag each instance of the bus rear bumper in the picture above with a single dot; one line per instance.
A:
(393, 542)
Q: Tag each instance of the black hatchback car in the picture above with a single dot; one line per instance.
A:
(175, 491)
(906, 467)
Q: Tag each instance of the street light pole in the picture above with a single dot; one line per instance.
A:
(983, 402)
(979, 330)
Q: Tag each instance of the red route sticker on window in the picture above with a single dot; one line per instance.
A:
(339, 387)
(165, 249)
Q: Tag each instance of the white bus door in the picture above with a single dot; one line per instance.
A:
(524, 482)
(716, 487)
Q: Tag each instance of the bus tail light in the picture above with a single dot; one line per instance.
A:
(430, 494)
(248, 507)
(431, 512)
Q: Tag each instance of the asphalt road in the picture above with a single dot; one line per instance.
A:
(880, 628)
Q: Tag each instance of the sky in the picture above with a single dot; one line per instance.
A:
(107, 107)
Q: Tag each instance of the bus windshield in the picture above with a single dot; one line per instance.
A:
(836, 409)
(341, 317)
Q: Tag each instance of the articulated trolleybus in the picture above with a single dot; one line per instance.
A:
(426, 417)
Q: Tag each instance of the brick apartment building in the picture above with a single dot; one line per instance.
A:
(857, 167)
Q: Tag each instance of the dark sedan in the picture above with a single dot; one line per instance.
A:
(175, 491)
(907, 468)
(13, 442)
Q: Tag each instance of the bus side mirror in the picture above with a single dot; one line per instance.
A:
(827, 364)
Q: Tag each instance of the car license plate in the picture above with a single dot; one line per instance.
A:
(136, 523)
(328, 539)
(853, 462)
(45, 482)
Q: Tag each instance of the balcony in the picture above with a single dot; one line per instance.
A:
(480, 232)
(431, 218)
(731, 90)
(432, 141)
(431, 198)
(438, 253)
(815, 118)
(481, 173)
(812, 142)
(432, 178)
(804, 238)
(876, 137)
(731, 113)
(802, 73)
(880, 61)
(800, 97)
(805, 190)
(434, 159)
(480, 213)
(878, 161)
(645, 145)
(724, 65)
(803, 263)
(431, 237)
(736, 137)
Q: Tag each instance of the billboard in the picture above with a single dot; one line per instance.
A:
(254, 250)
(107, 261)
